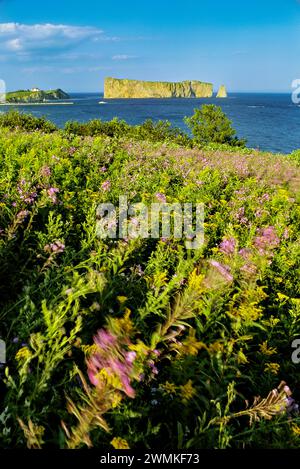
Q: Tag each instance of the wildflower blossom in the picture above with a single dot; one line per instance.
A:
(245, 253)
(224, 270)
(45, 171)
(122, 299)
(161, 197)
(52, 191)
(72, 150)
(286, 233)
(249, 269)
(112, 363)
(56, 248)
(30, 198)
(240, 216)
(27, 195)
(266, 350)
(106, 185)
(266, 240)
(23, 354)
(227, 246)
(119, 443)
(272, 368)
(169, 388)
(153, 367)
(21, 216)
(187, 391)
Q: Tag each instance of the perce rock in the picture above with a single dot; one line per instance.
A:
(116, 88)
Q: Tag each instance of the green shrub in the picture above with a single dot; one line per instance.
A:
(209, 124)
(17, 120)
(113, 128)
(161, 131)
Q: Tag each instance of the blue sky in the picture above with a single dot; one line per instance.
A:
(248, 45)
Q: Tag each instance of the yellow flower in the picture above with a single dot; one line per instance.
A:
(267, 350)
(140, 348)
(195, 282)
(116, 399)
(215, 347)
(248, 312)
(282, 297)
(109, 379)
(187, 391)
(191, 346)
(122, 299)
(296, 429)
(272, 368)
(271, 322)
(122, 326)
(119, 443)
(241, 357)
(89, 349)
(33, 434)
(169, 388)
(23, 354)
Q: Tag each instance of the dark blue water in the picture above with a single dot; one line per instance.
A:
(268, 121)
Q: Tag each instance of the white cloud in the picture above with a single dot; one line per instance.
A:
(124, 57)
(38, 69)
(17, 37)
(14, 44)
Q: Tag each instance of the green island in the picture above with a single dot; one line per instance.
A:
(136, 342)
(35, 95)
(115, 88)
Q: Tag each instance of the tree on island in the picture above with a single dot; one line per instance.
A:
(209, 124)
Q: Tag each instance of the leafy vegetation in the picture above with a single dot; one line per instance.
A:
(209, 124)
(140, 342)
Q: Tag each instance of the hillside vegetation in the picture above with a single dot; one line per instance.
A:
(28, 96)
(143, 343)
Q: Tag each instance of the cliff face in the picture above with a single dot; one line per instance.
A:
(35, 96)
(119, 88)
(222, 93)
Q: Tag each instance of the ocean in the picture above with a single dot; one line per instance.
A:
(269, 122)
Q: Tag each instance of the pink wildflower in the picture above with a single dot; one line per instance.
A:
(22, 215)
(114, 359)
(266, 240)
(161, 197)
(227, 246)
(45, 171)
(106, 185)
(52, 191)
(245, 253)
(224, 270)
(55, 248)
(249, 269)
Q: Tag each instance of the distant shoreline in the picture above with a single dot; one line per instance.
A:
(36, 104)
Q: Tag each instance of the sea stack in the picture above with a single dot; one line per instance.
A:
(116, 88)
(222, 93)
